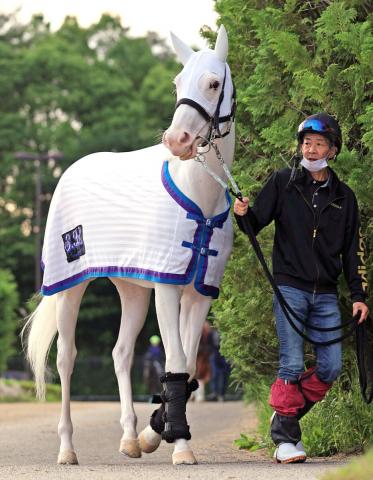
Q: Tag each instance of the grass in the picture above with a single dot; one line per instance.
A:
(359, 469)
(341, 423)
(26, 391)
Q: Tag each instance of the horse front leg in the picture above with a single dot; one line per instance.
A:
(67, 309)
(193, 313)
(135, 304)
(175, 381)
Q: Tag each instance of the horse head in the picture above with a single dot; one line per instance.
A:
(205, 96)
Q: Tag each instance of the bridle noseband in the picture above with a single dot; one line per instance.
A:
(214, 120)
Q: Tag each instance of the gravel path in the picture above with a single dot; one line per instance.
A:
(29, 446)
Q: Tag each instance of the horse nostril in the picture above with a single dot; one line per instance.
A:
(184, 138)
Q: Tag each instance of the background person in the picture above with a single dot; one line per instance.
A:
(153, 365)
(316, 235)
(203, 367)
(220, 369)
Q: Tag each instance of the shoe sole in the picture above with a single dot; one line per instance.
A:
(299, 459)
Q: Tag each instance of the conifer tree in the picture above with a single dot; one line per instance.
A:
(290, 59)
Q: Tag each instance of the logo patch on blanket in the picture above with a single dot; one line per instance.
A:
(73, 243)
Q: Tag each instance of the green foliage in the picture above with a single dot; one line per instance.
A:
(251, 345)
(248, 443)
(8, 316)
(342, 422)
(359, 469)
(77, 90)
(26, 391)
(290, 59)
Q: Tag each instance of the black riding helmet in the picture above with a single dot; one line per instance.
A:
(324, 125)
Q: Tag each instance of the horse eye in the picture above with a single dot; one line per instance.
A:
(215, 84)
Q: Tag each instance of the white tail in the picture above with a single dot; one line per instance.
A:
(40, 330)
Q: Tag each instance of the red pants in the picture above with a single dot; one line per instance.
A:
(288, 398)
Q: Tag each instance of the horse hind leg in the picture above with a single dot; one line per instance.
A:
(135, 304)
(67, 309)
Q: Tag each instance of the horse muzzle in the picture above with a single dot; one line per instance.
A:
(181, 144)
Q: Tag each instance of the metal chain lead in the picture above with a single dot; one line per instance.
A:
(200, 157)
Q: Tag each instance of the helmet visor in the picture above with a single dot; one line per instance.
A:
(316, 125)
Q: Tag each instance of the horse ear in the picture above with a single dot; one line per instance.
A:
(183, 52)
(221, 45)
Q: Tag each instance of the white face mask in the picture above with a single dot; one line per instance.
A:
(315, 165)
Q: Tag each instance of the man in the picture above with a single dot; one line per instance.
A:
(316, 236)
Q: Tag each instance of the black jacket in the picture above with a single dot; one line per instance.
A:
(311, 247)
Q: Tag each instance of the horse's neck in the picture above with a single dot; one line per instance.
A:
(196, 183)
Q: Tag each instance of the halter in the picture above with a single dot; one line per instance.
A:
(214, 120)
(213, 133)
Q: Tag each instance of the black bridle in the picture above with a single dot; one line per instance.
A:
(214, 120)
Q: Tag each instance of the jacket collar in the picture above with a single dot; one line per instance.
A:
(334, 185)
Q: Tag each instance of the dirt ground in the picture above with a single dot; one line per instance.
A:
(29, 445)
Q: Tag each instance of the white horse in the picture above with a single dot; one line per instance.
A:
(81, 214)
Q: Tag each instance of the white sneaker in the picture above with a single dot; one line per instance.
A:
(299, 446)
(290, 453)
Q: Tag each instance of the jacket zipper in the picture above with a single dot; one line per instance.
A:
(313, 241)
(315, 227)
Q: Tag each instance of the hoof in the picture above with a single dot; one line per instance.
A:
(68, 457)
(184, 458)
(130, 447)
(146, 446)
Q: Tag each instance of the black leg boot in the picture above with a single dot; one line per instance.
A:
(307, 407)
(285, 429)
(286, 434)
(157, 417)
(174, 394)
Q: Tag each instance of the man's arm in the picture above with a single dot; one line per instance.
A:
(263, 211)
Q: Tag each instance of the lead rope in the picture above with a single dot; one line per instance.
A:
(200, 158)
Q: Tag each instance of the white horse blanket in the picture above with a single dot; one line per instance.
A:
(121, 215)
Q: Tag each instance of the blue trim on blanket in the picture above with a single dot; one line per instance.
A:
(201, 242)
(121, 272)
(198, 263)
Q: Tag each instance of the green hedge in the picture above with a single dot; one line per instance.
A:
(27, 391)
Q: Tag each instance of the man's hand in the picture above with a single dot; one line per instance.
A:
(240, 208)
(360, 307)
